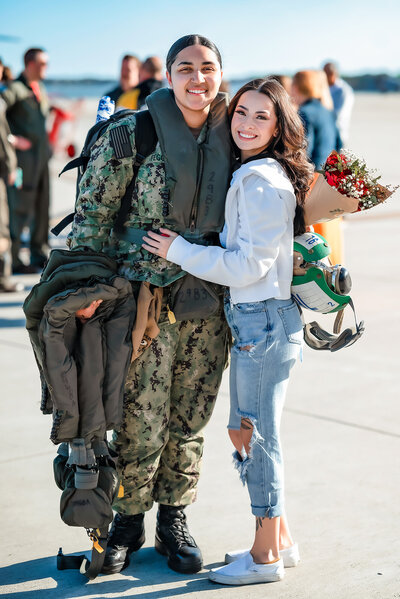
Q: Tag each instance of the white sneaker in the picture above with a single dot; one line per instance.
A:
(290, 556)
(245, 571)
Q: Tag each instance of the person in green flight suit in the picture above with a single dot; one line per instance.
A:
(171, 388)
(27, 109)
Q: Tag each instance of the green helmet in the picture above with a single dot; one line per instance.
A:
(321, 287)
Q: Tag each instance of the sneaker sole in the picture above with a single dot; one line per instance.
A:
(177, 565)
(241, 580)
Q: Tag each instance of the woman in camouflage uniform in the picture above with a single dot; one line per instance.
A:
(171, 389)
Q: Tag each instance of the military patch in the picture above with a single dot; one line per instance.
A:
(120, 142)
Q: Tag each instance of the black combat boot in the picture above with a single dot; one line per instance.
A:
(173, 539)
(126, 536)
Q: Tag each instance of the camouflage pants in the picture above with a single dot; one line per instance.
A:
(169, 397)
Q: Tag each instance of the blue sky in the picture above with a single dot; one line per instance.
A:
(88, 38)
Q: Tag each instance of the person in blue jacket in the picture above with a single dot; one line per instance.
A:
(319, 122)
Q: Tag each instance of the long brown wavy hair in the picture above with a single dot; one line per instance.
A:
(289, 147)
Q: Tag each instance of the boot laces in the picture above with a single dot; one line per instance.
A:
(180, 531)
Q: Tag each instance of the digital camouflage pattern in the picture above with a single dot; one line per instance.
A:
(169, 397)
(101, 189)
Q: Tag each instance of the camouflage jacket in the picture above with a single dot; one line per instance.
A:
(101, 190)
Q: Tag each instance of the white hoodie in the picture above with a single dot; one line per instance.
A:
(257, 263)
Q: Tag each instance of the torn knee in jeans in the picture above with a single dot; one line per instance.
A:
(245, 347)
(250, 436)
(246, 424)
(236, 438)
(249, 431)
(246, 430)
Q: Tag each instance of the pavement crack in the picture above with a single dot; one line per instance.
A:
(343, 422)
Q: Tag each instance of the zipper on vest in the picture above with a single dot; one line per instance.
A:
(195, 204)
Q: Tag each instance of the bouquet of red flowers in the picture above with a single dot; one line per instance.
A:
(345, 185)
(351, 177)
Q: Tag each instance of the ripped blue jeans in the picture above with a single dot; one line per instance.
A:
(268, 337)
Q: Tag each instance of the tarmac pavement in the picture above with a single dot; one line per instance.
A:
(341, 440)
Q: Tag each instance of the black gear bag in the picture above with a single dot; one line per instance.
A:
(88, 492)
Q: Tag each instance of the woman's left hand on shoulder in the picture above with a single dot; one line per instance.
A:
(159, 243)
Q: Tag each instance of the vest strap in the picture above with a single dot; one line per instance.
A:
(131, 235)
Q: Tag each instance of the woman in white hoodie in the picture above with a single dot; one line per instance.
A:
(263, 211)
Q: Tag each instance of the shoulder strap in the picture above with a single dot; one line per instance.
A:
(75, 163)
(145, 141)
(145, 135)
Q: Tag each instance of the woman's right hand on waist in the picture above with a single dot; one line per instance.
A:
(159, 243)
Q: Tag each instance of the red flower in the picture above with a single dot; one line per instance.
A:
(332, 160)
(332, 179)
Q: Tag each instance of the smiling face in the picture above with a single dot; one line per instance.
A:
(195, 79)
(254, 123)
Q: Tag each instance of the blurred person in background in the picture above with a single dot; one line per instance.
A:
(285, 81)
(7, 75)
(343, 100)
(2, 67)
(325, 92)
(27, 109)
(311, 93)
(319, 122)
(129, 77)
(150, 79)
(225, 87)
(8, 167)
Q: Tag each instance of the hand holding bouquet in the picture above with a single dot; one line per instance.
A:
(345, 185)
